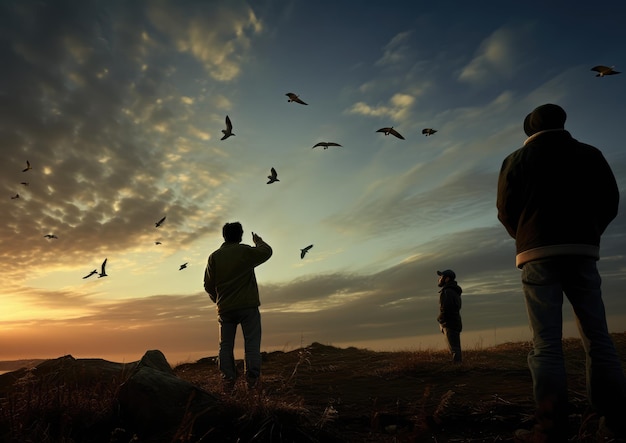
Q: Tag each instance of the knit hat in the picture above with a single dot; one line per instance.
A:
(544, 117)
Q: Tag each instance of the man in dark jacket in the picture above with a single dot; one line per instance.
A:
(556, 196)
(449, 312)
(230, 281)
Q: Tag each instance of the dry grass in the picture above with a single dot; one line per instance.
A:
(46, 411)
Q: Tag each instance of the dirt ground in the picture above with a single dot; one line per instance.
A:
(366, 396)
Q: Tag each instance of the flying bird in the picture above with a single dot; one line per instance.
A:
(294, 98)
(24, 183)
(159, 223)
(326, 144)
(183, 266)
(273, 176)
(304, 251)
(102, 270)
(95, 271)
(15, 196)
(428, 131)
(604, 70)
(229, 129)
(28, 166)
(391, 131)
(157, 243)
(50, 236)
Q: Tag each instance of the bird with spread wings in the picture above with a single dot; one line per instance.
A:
(326, 144)
(229, 129)
(273, 177)
(390, 130)
(303, 251)
(294, 98)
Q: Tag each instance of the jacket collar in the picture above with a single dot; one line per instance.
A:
(532, 137)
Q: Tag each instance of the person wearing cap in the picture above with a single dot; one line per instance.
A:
(556, 196)
(449, 312)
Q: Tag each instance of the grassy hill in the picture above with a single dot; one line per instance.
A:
(321, 393)
(366, 396)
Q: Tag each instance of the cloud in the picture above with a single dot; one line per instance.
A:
(112, 139)
(325, 307)
(218, 39)
(391, 304)
(397, 203)
(395, 51)
(398, 108)
(497, 56)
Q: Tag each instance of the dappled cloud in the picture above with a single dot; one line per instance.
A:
(112, 140)
(219, 44)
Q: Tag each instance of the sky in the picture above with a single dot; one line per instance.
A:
(119, 107)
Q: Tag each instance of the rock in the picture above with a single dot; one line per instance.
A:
(155, 403)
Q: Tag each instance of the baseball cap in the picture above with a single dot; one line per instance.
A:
(448, 273)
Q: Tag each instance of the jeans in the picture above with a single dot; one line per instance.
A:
(453, 340)
(250, 320)
(544, 282)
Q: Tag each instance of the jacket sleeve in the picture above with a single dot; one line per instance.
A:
(609, 194)
(441, 318)
(260, 253)
(508, 197)
(209, 281)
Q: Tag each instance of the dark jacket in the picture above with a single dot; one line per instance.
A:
(229, 277)
(556, 196)
(450, 306)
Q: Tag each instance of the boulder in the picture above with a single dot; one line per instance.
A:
(154, 403)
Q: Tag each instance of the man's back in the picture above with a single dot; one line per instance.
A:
(556, 191)
(230, 275)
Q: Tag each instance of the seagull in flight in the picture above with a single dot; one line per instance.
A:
(294, 98)
(159, 223)
(102, 271)
(273, 176)
(604, 70)
(428, 131)
(326, 144)
(229, 129)
(391, 131)
(50, 236)
(304, 251)
(15, 196)
(28, 166)
(95, 271)
(183, 266)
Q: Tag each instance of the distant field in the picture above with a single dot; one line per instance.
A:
(14, 365)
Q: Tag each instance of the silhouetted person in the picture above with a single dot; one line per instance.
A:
(230, 281)
(556, 196)
(449, 312)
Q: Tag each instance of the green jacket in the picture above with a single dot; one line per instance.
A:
(229, 277)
